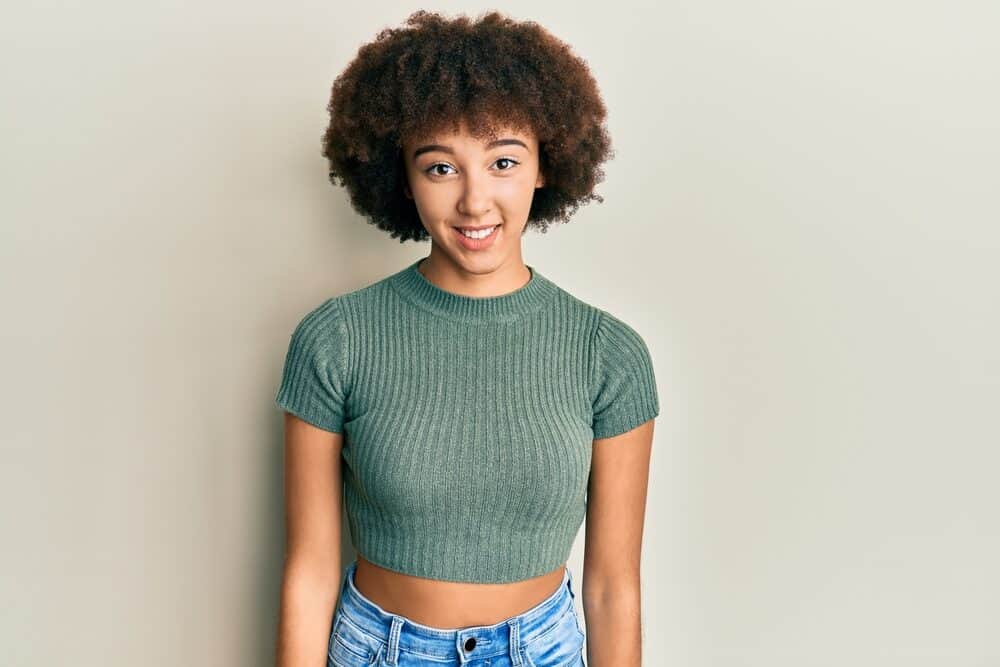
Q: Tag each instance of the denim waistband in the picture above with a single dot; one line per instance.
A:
(503, 638)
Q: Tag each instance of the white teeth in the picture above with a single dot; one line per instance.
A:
(481, 234)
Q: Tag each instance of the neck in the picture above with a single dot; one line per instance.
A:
(521, 298)
(493, 280)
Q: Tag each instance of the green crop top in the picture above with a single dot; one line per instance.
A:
(468, 421)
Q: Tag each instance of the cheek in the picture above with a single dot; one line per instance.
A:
(430, 201)
(516, 193)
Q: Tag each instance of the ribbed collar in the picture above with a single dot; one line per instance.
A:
(413, 286)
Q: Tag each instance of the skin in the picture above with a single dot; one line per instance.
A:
(457, 180)
(470, 185)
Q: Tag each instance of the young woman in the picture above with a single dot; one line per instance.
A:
(469, 411)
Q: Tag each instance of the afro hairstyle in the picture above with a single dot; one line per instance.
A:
(487, 73)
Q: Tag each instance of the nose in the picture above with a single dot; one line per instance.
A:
(476, 196)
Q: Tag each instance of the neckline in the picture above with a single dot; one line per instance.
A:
(417, 289)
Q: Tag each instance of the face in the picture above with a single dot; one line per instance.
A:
(460, 183)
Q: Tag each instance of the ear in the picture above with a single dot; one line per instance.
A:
(540, 181)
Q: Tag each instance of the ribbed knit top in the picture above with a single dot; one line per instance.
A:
(468, 422)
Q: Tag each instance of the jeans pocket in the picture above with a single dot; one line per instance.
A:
(559, 646)
(351, 646)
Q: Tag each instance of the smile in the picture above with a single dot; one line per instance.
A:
(477, 239)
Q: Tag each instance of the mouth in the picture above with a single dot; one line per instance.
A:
(477, 231)
(478, 237)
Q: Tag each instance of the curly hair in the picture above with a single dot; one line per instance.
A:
(489, 73)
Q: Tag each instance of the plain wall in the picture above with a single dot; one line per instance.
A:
(801, 220)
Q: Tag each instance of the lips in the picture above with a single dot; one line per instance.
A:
(477, 244)
(470, 228)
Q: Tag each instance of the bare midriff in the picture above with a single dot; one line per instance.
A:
(451, 604)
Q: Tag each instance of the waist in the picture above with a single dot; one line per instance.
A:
(475, 641)
(444, 603)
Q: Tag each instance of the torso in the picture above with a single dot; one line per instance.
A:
(451, 604)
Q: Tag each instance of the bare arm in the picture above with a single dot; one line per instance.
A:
(311, 579)
(616, 507)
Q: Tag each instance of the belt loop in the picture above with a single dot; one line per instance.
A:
(515, 642)
(392, 650)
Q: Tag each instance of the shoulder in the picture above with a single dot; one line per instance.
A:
(616, 344)
(607, 328)
(572, 307)
(320, 336)
(330, 321)
(340, 309)
(615, 333)
(320, 320)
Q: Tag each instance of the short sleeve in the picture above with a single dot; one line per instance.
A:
(625, 394)
(313, 380)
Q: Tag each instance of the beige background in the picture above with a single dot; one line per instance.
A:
(801, 220)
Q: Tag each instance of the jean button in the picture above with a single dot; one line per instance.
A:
(470, 643)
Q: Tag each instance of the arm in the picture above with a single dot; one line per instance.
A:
(311, 579)
(616, 506)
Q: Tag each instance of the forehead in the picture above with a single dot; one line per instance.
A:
(448, 135)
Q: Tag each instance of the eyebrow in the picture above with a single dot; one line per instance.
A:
(446, 149)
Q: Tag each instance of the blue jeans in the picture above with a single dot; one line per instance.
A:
(365, 635)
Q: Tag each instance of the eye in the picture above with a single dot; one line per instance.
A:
(507, 160)
(430, 169)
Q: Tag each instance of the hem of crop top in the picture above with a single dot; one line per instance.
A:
(396, 569)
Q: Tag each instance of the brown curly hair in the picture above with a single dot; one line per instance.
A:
(416, 80)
